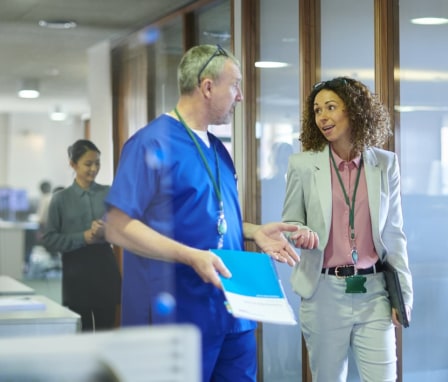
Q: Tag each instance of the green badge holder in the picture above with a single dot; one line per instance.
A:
(355, 284)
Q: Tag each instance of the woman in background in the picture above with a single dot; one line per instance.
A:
(91, 280)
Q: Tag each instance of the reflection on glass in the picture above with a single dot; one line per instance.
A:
(168, 50)
(213, 27)
(345, 53)
(423, 153)
(277, 133)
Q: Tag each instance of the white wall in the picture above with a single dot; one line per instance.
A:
(3, 147)
(100, 100)
(33, 148)
(37, 150)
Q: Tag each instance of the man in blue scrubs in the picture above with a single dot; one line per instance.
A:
(173, 198)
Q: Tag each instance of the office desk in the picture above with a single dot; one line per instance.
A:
(10, 286)
(54, 319)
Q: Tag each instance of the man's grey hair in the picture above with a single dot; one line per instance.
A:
(193, 61)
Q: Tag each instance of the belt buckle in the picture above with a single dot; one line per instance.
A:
(336, 271)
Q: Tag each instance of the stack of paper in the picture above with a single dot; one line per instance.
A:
(255, 291)
(8, 304)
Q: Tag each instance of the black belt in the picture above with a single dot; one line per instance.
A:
(349, 270)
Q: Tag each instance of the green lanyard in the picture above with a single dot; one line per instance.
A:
(350, 206)
(222, 224)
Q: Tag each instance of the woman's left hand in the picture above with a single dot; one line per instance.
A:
(97, 229)
(395, 320)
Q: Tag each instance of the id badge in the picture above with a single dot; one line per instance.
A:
(355, 284)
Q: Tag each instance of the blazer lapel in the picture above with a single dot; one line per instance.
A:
(323, 184)
(373, 180)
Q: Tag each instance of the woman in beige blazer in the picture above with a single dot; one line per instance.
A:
(346, 192)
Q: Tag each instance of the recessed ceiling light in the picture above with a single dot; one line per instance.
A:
(429, 21)
(58, 24)
(29, 88)
(57, 114)
(270, 64)
(408, 109)
(28, 93)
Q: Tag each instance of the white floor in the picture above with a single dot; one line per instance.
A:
(50, 288)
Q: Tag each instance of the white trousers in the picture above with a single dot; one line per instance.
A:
(334, 321)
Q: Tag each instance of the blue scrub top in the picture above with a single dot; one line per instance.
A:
(162, 181)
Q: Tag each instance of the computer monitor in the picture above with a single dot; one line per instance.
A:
(14, 203)
(146, 354)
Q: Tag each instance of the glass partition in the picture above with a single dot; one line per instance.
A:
(347, 40)
(347, 49)
(423, 154)
(167, 52)
(214, 27)
(339, 42)
(277, 135)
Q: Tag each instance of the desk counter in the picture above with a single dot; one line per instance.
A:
(10, 286)
(51, 318)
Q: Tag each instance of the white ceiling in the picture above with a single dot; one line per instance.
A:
(58, 58)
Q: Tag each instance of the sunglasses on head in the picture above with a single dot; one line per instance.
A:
(219, 52)
(330, 83)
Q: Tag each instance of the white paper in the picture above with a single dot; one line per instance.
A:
(8, 304)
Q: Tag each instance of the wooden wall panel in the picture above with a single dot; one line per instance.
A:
(387, 48)
(310, 72)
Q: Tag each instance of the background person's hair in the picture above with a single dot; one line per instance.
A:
(45, 187)
(369, 119)
(79, 148)
(192, 62)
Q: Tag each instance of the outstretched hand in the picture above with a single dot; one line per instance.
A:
(270, 238)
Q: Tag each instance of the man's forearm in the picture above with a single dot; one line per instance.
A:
(249, 230)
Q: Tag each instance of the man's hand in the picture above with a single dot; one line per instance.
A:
(270, 238)
(208, 266)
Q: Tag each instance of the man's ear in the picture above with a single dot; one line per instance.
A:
(206, 87)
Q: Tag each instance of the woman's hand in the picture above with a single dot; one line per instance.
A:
(97, 229)
(96, 232)
(305, 238)
(395, 320)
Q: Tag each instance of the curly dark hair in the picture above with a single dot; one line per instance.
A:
(369, 118)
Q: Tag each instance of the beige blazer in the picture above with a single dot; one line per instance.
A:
(308, 204)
